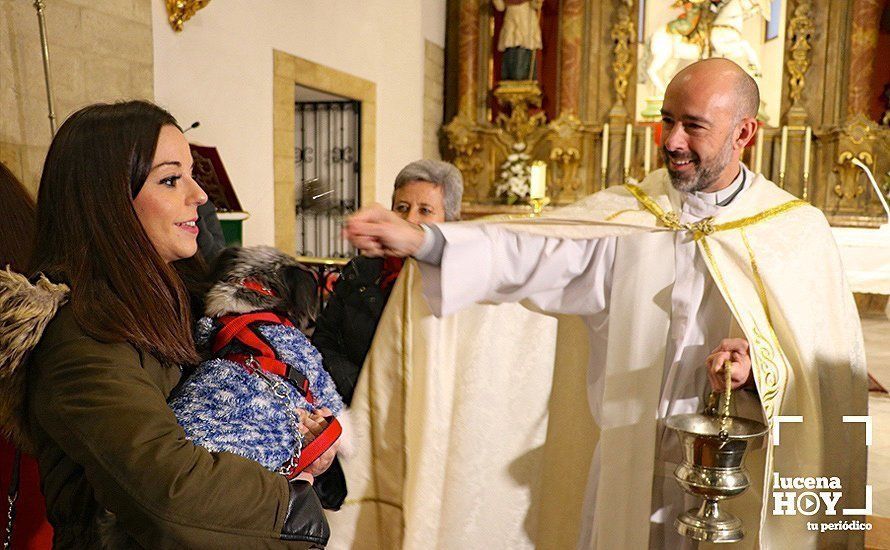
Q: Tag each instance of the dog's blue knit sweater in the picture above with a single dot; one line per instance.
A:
(223, 407)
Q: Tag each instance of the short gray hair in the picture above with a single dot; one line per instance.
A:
(441, 174)
(749, 96)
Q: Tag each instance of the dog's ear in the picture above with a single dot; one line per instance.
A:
(302, 295)
(223, 263)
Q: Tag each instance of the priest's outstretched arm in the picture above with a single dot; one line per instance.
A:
(468, 263)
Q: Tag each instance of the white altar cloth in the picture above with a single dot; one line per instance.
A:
(865, 254)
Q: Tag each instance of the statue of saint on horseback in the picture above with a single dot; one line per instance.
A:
(706, 28)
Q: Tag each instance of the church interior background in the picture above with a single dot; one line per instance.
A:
(343, 95)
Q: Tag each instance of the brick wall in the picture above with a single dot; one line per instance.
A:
(100, 50)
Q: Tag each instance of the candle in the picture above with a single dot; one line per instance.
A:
(758, 150)
(783, 156)
(648, 151)
(807, 138)
(604, 160)
(538, 186)
(628, 138)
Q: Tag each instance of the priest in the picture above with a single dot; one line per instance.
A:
(700, 263)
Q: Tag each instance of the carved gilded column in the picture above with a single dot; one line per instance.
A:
(463, 138)
(468, 47)
(863, 40)
(565, 139)
(800, 37)
(465, 141)
(623, 36)
(858, 136)
(572, 28)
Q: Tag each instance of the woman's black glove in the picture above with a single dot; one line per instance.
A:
(305, 518)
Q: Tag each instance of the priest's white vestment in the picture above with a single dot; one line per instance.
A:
(659, 278)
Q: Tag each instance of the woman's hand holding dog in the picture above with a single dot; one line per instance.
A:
(311, 426)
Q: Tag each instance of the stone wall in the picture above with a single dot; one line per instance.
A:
(433, 98)
(100, 50)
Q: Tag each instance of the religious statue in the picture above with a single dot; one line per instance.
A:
(520, 37)
(687, 22)
(706, 28)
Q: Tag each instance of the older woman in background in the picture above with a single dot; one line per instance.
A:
(425, 191)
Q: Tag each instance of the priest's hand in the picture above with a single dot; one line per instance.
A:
(734, 350)
(377, 231)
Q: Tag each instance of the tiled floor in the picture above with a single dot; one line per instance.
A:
(877, 348)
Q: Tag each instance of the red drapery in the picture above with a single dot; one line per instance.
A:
(31, 529)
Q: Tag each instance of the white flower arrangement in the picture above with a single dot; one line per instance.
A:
(515, 176)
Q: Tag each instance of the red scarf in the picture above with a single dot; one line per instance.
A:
(392, 266)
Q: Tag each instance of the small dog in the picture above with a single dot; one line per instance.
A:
(244, 399)
(263, 367)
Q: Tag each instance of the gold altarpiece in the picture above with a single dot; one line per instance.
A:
(826, 90)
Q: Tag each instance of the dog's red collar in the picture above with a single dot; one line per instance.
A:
(256, 286)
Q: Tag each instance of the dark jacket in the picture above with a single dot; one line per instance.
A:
(97, 419)
(345, 329)
(211, 240)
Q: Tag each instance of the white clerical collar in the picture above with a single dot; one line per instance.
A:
(726, 195)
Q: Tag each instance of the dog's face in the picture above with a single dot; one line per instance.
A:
(291, 286)
(301, 293)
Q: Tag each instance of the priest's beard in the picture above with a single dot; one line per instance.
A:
(704, 171)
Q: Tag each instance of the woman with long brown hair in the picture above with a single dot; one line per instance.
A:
(116, 206)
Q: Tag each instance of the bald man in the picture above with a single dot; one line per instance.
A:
(702, 263)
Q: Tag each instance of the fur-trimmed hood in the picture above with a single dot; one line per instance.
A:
(25, 310)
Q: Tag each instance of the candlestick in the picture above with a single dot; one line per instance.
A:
(647, 153)
(783, 156)
(538, 180)
(758, 150)
(538, 206)
(604, 160)
(628, 138)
